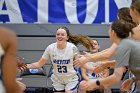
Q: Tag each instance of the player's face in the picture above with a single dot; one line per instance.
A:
(95, 46)
(136, 34)
(61, 36)
(133, 14)
(111, 34)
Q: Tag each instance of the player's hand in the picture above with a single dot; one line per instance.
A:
(21, 65)
(80, 61)
(88, 85)
(126, 85)
(86, 53)
(22, 86)
(99, 68)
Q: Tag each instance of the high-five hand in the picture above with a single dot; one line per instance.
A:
(80, 61)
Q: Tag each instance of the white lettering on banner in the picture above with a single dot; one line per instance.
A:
(12, 11)
(70, 6)
(42, 11)
(123, 3)
(91, 11)
(107, 11)
(119, 3)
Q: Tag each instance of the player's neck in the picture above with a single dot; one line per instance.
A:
(62, 46)
(117, 41)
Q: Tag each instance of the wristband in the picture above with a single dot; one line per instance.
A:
(108, 67)
(98, 82)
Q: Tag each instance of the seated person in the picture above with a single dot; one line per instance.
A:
(89, 74)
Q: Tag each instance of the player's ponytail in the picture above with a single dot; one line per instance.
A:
(79, 39)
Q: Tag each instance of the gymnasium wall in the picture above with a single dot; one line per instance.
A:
(34, 38)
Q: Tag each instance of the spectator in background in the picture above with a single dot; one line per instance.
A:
(89, 74)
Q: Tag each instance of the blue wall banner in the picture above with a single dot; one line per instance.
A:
(60, 11)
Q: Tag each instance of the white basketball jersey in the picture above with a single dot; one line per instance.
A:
(62, 60)
(91, 74)
(2, 90)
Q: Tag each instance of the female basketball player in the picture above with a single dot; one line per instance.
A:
(88, 74)
(62, 53)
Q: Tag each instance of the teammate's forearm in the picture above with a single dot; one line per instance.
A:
(88, 67)
(110, 80)
(33, 65)
(110, 64)
(114, 78)
(85, 77)
(84, 74)
(98, 57)
(103, 55)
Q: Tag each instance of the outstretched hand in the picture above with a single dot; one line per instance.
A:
(88, 85)
(126, 85)
(99, 68)
(80, 61)
(21, 66)
(22, 86)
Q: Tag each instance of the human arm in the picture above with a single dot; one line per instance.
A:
(38, 64)
(113, 79)
(45, 57)
(122, 57)
(21, 65)
(109, 64)
(88, 67)
(126, 85)
(104, 73)
(110, 80)
(104, 65)
(21, 85)
(84, 74)
(103, 55)
(9, 65)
